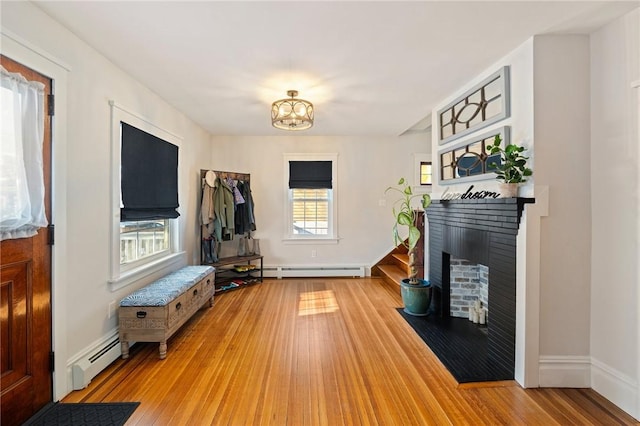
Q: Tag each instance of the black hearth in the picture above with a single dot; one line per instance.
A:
(482, 231)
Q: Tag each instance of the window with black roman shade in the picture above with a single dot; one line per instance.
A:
(310, 174)
(149, 176)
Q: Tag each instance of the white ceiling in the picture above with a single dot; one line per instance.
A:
(370, 68)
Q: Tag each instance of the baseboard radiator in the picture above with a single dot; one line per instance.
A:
(314, 271)
(87, 367)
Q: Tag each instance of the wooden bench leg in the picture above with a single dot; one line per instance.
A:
(211, 302)
(163, 349)
(124, 348)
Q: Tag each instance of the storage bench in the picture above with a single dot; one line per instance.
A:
(156, 311)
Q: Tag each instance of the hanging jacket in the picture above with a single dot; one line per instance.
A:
(224, 222)
(207, 212)
(250, 206)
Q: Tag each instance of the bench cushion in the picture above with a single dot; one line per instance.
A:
(164, 290)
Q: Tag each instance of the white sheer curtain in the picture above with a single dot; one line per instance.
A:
(22, 209)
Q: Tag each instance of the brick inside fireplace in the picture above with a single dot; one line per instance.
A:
(469, 282)
(481, 232)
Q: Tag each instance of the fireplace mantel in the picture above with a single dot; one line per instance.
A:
(487, 214)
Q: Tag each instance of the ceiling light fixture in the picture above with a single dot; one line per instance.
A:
(292, 114)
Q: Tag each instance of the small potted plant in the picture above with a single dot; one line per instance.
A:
(512, 170)
(416, 293)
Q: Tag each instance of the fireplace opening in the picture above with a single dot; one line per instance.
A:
(469, 291)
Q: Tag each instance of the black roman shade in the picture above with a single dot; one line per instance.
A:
(310, 174)
(149, 176)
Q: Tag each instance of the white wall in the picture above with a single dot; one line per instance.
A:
(615, 255)
(80, 309)
(366, 167)
(561, 119)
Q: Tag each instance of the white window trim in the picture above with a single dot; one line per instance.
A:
(332, 237)
(121, 276)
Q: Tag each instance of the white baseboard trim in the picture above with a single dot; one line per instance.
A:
(617, 387)
(565, 371)
(286, 271)
(86, 352)
(90, 352)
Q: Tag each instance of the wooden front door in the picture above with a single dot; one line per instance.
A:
(25, 302)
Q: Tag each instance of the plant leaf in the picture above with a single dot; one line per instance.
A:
(404, 219)
(414, 236)
(426, 201)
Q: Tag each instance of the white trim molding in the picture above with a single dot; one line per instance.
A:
(286, 271)
(150, 271)
(617, 387)
(93, 348)
(636, 412)
(35, 49)
(562, 371)
(527, 366)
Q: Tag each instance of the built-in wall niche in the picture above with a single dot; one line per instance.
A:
(484, 104)
(471, 159)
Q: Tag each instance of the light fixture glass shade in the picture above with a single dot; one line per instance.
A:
(292, 114)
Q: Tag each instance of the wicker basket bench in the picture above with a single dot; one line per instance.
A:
(156, 311)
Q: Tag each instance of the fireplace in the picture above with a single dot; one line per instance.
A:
(482, 232)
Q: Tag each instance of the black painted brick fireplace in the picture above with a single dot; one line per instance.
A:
(481, 231)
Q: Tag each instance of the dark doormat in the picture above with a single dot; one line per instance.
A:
(460, 345)
(84, 414)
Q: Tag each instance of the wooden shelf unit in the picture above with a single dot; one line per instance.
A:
(226, 274)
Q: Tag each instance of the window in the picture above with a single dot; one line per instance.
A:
(144, 182)
(149, 188)
(422, 173)
(311, 197)
(310, 211)
(425, 173)
(142, 239)
(22, 194)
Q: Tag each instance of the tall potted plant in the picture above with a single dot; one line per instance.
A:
(512, 170)
(416, 292)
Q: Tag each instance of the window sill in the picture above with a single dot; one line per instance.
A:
(422, 189)
(310, 240)
(159, 265)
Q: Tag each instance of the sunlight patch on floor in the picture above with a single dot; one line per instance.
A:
(317, 302)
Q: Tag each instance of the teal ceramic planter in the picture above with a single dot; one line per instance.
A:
(416, 297)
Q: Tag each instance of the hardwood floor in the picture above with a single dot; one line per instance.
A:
(319, 352)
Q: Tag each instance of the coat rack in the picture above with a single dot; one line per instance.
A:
(245, 177)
